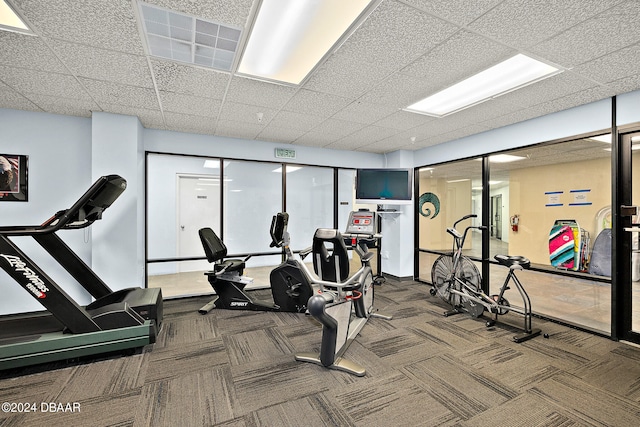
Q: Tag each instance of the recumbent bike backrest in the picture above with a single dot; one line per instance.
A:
(214, 248)
(330, 256)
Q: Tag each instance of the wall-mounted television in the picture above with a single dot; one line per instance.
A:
(384, 186)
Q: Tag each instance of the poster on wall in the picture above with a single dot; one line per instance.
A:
(13, 178)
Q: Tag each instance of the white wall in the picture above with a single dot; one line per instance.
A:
(59, 150)
(214, 146)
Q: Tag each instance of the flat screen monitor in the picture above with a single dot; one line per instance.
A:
(384, 186)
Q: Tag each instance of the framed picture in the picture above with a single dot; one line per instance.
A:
(13, 178)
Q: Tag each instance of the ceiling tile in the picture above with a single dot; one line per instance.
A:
(396, 34)
(150, 119)
(316, 103)
(316, 139)
(254, 92)
(19, 50)
(238, 129)
(101, 64)
(611, 67)
(289, 119)
(523, 23)
(246, 113)
(459, 57)
(399, 90)
(369, 135)
(573, 100)
(626, 84)
(114, 93)
(279, 134)
(614, 29)
(338, 128)
(364, 112)
(174, 77)
(344, 76)
(188, 123)
(403, 120)
(458, 12)
(59, 105)
(42, 83)
(189, 104)
(106, 24)
(9, 98)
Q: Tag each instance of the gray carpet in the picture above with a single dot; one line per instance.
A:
(237, 368)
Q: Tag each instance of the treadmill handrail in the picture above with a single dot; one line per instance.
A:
(67, 218)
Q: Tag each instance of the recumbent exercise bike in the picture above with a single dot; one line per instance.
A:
(290, 287)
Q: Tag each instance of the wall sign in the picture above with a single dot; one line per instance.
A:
(285, 153)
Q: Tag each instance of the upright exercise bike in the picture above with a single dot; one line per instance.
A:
(343, 304)
(290, 287)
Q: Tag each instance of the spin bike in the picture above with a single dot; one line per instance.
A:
(457, 281)
(343, 304)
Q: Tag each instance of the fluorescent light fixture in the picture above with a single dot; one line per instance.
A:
(602, 138)
(289, 169)
(10, 21)
(457, 180)
(425, 169)
(290, 37)
(505, 158)
(514, 73)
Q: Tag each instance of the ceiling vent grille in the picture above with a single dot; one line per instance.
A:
(184, 38)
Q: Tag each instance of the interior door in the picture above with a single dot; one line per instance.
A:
(626, 299)
(198, 207)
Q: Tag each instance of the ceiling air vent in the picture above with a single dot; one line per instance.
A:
(185, 38)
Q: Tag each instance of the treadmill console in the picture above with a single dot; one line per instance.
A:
(362, 222)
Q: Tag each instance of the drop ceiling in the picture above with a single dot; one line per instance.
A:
(90, 56)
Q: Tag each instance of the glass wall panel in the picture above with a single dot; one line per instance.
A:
(550, 203)
(252, 195)
(183, 195)
(309, 195)
(447, 193)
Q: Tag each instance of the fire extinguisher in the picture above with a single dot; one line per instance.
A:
(514, 223)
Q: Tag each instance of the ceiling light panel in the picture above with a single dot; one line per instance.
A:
(514, 73)
(10, 21)
(184, 38)
(290, 37)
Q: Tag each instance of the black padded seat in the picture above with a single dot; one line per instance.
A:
(330, 256)
(512, 260)
(215, 250)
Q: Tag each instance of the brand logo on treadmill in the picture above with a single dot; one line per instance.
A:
(35, 285)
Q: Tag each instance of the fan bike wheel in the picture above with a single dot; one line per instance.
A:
(468, 272)
(441, 276)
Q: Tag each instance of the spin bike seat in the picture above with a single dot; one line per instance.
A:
(509, 261)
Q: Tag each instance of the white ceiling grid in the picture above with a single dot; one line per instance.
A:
(89, 56)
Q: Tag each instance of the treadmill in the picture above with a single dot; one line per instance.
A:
(123, 320)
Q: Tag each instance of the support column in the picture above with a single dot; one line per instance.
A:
(118, 239)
